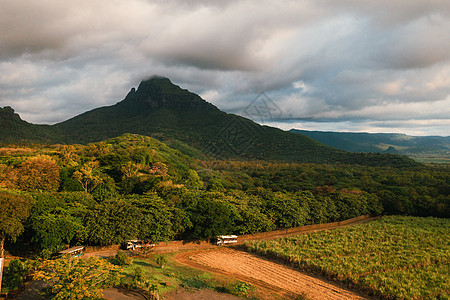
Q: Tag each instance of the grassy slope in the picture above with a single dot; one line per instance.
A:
(175, 277)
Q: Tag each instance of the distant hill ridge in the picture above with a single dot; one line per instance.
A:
(15, 130)
(413, 146)
(163, 110)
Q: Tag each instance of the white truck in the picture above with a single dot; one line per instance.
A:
(226, 239)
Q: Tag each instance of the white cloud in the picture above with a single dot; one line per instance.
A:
(340, 60)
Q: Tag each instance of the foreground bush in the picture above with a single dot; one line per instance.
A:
(71, 278)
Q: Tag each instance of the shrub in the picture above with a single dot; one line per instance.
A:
(241, 288)
(121, 259)
(161, 260)
(14, 274)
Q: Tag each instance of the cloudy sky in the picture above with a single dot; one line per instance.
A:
(334, 65)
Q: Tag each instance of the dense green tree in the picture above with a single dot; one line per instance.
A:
(180, 221)
(14, 274)
(285, 210)
(396, 202)
(57, 219)
(68, 182)
(113, 221)
(121, 259)
(54, 230)
(211, 218)
(107, 189)
(15, 208)
(112, 163)
(193, 181)
(154, 219)
(215, 184)
(88, 176)
(253, 220)
(248, 207)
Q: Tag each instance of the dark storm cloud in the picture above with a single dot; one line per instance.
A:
(339, 61)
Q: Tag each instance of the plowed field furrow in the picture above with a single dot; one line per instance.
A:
(267, 274)
(267, 271)
(247, 264)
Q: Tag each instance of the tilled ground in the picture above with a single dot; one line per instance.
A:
(263, 273)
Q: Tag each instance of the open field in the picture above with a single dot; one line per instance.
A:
(283, 280)
(393, 257)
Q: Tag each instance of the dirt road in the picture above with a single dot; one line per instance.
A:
(198, 245)
(277, 278)
(271, 235)
(174, 246)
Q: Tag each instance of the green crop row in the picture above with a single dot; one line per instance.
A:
(393, 257)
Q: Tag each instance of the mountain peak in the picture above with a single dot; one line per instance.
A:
(159, 92)
(157, 84)
(156, 81)
(8, 113)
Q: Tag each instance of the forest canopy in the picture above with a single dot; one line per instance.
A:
(136, 187)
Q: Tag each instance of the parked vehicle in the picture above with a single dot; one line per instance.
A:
(226, 239)
(138, 245)
(76, 251)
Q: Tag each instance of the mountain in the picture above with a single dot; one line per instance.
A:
(412, 146)
(157, 108)
(15, 130)
(162, 110)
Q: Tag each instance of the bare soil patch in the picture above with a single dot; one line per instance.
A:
(121, 294)
(199, 295)
(278, 278)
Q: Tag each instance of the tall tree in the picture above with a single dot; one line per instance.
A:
(113, 221)
(88, 176)
(15, 208)
(39, 173)
(155, 218)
